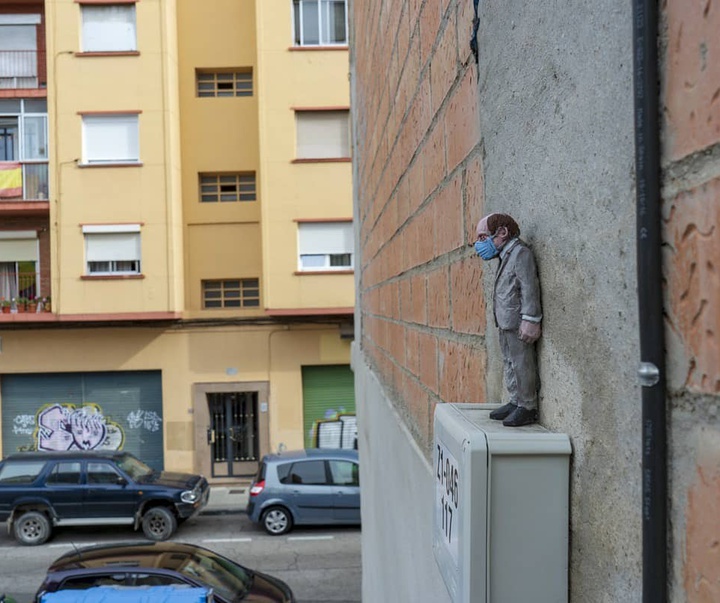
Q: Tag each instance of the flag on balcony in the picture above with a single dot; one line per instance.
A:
(10, 179)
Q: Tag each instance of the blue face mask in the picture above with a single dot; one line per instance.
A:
(486, 248)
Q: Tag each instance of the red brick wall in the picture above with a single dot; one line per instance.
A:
(691, 162)
(419, 197)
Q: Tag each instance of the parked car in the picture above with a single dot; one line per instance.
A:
(129, 594)
(162, 564)
(315, 486)
(43, 490)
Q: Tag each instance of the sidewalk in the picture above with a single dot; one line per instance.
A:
(225, 500)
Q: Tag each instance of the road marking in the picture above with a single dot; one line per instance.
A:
(311, 537)
(227, 540)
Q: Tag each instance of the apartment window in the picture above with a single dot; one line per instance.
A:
(112, 249)
(108, 28)
(232, 293)
(227, 187)
(111, 139)
(23, 148)
(19, 255)
(325, 246)
(323, 134)
(224, 83)
(320, 22)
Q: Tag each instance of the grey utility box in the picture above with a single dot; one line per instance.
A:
(501, 508)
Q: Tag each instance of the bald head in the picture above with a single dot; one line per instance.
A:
(490, 224)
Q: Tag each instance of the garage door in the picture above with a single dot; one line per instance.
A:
(328, 394)
(84, 411)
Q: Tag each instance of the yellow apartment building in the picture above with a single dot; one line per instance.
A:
(176, 240)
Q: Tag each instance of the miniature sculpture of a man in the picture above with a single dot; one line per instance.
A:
(518, 315)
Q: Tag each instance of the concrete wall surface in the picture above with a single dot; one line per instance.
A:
(540, 124)
(397, 501)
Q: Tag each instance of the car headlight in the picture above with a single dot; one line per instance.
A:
(189, 496)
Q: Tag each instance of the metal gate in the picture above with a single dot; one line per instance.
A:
(233, 433)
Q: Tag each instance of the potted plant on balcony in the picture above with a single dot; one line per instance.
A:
(32, 304)
(46, 306)
(21, 303)
(5, 305)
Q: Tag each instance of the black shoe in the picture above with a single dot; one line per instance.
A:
(521, 416)
(500, 413)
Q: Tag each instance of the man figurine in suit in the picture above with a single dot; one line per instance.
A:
(518, 314)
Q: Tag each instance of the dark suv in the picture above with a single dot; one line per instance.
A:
(40, 490)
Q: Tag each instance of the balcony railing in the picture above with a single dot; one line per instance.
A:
(22, 69)
(23, 181)
(17, 285)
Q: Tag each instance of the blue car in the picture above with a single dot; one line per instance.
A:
(316, 486)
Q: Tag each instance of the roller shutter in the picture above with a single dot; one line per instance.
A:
(91, 411)
(328, 391)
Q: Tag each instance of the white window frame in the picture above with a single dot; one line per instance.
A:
(320, 242)
(102, 138)
(125, 238)
(312, 143)
(98, 35)
(322, 31)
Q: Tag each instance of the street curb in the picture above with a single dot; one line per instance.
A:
(223, 512)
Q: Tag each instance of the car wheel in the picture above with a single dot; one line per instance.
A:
(159, 523)
(31, 528)
(277, 521)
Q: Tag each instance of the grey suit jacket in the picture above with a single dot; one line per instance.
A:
(516, 294)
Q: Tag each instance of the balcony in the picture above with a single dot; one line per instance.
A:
(20, 295)
(23, 187)
(22, 69)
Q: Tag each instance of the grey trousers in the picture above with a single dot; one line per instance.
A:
(519, 369)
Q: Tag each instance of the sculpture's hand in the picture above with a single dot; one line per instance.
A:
(529, 332)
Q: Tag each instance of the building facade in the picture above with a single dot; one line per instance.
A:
(175, 191)
(464, 108)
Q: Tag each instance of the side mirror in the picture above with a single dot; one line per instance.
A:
(121, 481)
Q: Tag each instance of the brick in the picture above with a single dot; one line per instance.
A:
(474, 196)
(433, 160)
(462, 119)
(461, 377)
(419, 300)
(429, 23)
(438, 295)
(443, 67)
(412, 352)
(693, 287)
(405, 299)
(702, 523)
(466, 296)
(692, 91)
(428, 351)
(448, 210)
(465, 15)
(416, 182)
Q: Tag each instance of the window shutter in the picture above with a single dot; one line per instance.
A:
(326, 237)
(110, 138)
(121, 246)
(19, 250)
(322, 134)
(108, 28)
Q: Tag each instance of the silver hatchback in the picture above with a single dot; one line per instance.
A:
(315, 486)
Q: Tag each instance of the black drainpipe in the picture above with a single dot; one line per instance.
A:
(650, 301)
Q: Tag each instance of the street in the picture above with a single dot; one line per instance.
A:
(320, 564)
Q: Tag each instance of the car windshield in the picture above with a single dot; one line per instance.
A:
(135, 468)
(227, 579)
